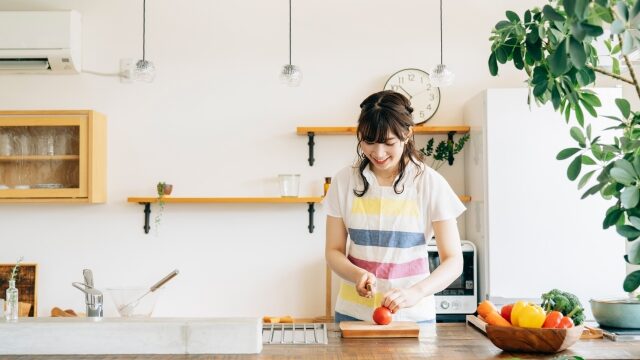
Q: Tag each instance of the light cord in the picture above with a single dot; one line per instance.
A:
(289, 32)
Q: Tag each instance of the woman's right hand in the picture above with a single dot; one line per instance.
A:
(366, 285)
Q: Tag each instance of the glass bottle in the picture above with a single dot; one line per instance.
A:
(12, 302)
(327, 183)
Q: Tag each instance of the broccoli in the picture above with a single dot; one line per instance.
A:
(567, 303)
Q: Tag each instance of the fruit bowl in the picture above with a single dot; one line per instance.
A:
(520, 339)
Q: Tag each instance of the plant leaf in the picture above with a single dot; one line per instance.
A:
(551, 14)
(577, 134)
(635, 221)
(502, 24)
(628, 232)
(633, 254)
(621, 176)
(617, 27)
(574, 168)
(629, 197)
(587, 160)
(611, 218)
(626, 166)
(592, 30)
(558, 62)
(624, 107)
(569, 7)
(631, 281)
(566, 153)
(585, 179)
(576, 50)
(513, 17)
(493, 64)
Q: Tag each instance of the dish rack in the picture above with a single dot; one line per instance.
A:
(290, 334)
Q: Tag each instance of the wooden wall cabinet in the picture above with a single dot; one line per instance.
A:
(53, 156)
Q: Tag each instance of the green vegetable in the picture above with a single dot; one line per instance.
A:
(565, 302)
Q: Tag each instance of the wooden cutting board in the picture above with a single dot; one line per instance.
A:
(367, 329)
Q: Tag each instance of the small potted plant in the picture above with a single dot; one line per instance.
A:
(163, 189)
(12, 294)
(445, 150)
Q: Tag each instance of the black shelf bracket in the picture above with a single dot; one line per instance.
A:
(311, 135)
(311, 211)
(147, 212)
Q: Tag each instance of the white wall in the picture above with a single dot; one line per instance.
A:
(216, 122)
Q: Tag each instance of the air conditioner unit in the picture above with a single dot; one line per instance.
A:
(40, 42)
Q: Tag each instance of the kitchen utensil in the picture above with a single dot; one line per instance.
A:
(128, 308)
(618, 313)
(367, 329)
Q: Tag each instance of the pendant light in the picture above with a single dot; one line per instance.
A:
(145, 70)
(441, 76)
(290, 74)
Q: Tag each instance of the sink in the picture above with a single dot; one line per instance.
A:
(35, 336)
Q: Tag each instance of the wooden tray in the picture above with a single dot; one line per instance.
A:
(367, 329)
(27, 284)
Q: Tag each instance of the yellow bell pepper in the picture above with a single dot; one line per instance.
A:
(515, 312)
(532, 316)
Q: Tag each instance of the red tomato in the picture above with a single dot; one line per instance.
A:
(553, 320)
(505, 311)
(382, 316)
(565, 323)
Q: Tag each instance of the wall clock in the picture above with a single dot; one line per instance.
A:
(416, 86)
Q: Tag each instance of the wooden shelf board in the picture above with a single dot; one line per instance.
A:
(351, 130)
(241, 200)
(39, 157)
(245, 200)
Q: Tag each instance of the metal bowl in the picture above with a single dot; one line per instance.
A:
(619, 313)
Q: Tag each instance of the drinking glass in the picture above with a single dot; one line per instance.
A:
(289, 185)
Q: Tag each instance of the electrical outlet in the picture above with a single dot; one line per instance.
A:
(126, 70)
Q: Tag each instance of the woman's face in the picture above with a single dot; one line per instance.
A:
(384, 156)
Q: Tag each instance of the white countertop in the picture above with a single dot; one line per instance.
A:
(131, 336)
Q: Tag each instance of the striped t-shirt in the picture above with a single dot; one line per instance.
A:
(388, 232)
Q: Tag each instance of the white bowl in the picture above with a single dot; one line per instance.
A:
(126, 301)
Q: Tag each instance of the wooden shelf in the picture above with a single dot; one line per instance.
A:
(240, 200)
(147, 201)
(351, 130)
(312, 131)
(39, 157)
(309, 200)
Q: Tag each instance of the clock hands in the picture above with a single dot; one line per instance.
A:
(421, 92)
(405, 91)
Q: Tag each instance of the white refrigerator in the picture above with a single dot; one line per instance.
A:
(532, 231)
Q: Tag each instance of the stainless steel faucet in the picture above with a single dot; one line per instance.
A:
(92, 296)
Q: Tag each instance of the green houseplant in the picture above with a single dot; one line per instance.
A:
(445, 151)
(162, 190)
(555, 47)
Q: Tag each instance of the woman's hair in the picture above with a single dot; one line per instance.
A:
(383, 113)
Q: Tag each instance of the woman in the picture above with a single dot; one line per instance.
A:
(388, 205)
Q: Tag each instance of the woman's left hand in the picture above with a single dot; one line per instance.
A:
(396, 299)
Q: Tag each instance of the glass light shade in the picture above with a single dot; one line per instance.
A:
(440, 76)
(144, 71)
(291, 75)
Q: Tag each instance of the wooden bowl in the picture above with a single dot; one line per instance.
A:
(519, 339)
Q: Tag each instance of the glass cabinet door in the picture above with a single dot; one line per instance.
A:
(43, 157)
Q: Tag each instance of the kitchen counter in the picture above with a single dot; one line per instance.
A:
(440, 341)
